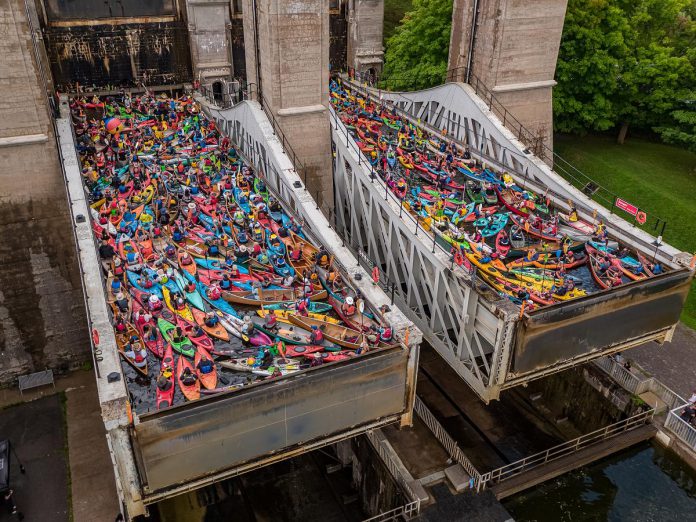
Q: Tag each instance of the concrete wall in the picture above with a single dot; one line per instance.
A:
(210, 48)
(514, 53)
(42, 319)
(365, 29)
(142, 41)
(291, 41)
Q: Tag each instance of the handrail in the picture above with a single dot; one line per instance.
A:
(529, 138)
(685, 431)
(225, 101)
(631, 382)
(447, 441)
(393, 470)
(407, 511)
(567, 448)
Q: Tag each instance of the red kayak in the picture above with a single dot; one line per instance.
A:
(165, 397)
(202, 340)
(191, 392)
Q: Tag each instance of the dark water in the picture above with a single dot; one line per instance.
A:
(644, 484)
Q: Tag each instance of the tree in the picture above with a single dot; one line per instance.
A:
(623, 63)
(416, 56)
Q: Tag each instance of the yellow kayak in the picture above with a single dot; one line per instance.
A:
(185, 312)
(283, 316)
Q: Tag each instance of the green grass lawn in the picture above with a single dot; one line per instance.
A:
(657, 178)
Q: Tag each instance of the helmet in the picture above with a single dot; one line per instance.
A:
(349, 301)
(153, 299)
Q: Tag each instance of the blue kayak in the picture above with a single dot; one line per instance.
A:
(133, 280)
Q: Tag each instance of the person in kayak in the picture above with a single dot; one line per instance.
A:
(301, 307)
(134, 351)
(214, 292)
(179, 302)
(385, 334)
(187, 377)
(164, 381)
(225, 283)
(154, 303)
(348, 307)
(106, 251)
(211, 320)
(205, 365)
(121, 302)
(178, 335)
(270, 321)
(316, 336)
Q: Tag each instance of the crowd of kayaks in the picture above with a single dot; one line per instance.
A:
(205, 272)
(520, 245)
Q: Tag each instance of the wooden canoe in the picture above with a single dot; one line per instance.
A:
(341, 335)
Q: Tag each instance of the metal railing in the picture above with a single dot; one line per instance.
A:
(405, 512)
(684, 430)
(246, 92)
(567, 448)
(414, 500)
(637, 385)
(534, 141)
(447, 442)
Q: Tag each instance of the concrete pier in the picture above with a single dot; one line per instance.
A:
(287, 60)
(511, 47)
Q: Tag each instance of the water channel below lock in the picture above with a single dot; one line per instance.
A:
(643, 484)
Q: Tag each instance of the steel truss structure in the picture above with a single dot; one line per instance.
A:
(484, 337)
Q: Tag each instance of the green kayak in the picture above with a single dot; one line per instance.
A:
(317, 308)
(184, 347)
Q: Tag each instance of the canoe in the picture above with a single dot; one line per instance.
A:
(122, 341)
(358, 321)
(191, 392)
(341, 335)
(156, 346)
(207, 380)
(184, 346)
(164, 398)
(604, 280)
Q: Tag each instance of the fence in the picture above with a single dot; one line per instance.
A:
(680, 427)
(634, 384)
(413, 506)
(532, 140)
(567, 448)
(406, 512)
(447, 442)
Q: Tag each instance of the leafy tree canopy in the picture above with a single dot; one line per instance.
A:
(416, 55)
(627, 62)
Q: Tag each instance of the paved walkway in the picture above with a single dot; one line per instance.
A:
(93, 494)
(35, 430)
(674, 364)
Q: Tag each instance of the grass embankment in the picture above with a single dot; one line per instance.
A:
(657, 178)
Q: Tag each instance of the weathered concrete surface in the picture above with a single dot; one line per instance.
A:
(94, 495)
(365, 28)
(514, 53)
(671, 363)
(35, 430)
(210, 47)
(42, 318)
(291, 42)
